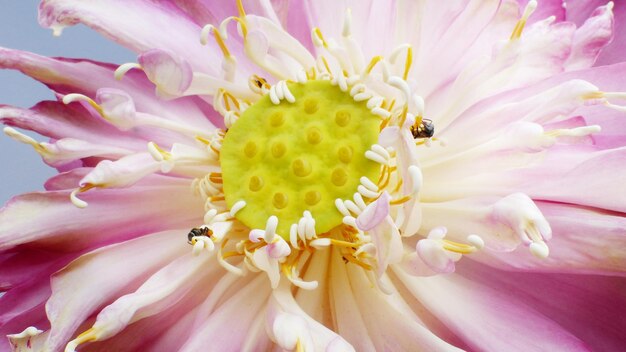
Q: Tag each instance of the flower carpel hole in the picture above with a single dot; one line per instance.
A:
(287, 158)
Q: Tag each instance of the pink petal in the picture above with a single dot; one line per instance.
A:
(580, 11)
(287, 323)
(591, 38)
(573, 248)
(49, 217)
(161, 291)
(391, 325)
(67, 76)
(212, 332)
(485, 317)
(140, 27)
(348, 319)
(590, 307)
(599, 174)
(100, 276)
(57, 120)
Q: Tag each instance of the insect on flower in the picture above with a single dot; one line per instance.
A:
(325, 219)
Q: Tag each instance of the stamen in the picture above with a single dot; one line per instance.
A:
(241, 25)
(70, 98)
(270, 228)
(87, 336)
(157, 153)
(457, 247)
(373, 62)
(416, 178)
(121, 71)
(20, 137)
(226, 265)
(204, 38)
(341, 207)
(519, 26)
(79, 203)
(350, 221)
(350, 205)
(400, 200)
(408, 60)
(366, 192)
(293, 236)
(368, 185)
(373, 156)
(242, 12)
(358, 200)
(318, 38)
(238, 206)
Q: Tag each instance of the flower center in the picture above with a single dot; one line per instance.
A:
(287, 158)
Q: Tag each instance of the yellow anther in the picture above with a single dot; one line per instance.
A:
(354, 260)
(340, 243)
(229, 254)
(241, 21)
(384, 123)
(69, 98)
(215, 179)
(408, 62)
(318, 34)
(220, 42)
(299, 347)
(311, 74)
(87, 336)
(257, 83)
(325, 62)
(398, 185)
(160, 152)
(203, 140)
(519, 26)
(242, 12)
(391, 105)
(228, 96)
(405, 110)
(458, 247)
(400, 200)
(373, 62)
(593, 95)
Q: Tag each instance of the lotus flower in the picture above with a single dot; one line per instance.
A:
(322, 176)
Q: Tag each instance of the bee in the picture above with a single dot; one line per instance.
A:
(198, 231)
(425, 129)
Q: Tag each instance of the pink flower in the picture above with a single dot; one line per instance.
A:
(401, 176)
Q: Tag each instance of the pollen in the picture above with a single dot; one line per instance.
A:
(287, 158)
